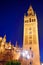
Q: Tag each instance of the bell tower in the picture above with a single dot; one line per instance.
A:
(30, 36)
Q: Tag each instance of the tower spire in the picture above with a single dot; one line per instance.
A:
(16, 44)
(30, 11)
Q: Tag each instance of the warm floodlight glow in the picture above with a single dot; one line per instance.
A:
(9, 48)
(26, 52)
(23, 54)
(42, 64)
(28, 56)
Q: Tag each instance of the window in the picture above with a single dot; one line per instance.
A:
(33, 20)
(26, 21)
(30, 20)
(30, 48)
(30, 63)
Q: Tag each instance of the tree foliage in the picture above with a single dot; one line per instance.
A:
(13, 63)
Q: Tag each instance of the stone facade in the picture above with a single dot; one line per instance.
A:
(30, 38)
(8, 51)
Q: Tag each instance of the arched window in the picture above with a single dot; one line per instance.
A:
(29, 19)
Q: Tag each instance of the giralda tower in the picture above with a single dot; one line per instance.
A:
(30, 36)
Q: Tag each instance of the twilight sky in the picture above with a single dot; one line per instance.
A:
(12, 17)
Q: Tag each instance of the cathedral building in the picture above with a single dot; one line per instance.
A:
(29, 54)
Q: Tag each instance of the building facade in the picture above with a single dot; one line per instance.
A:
(30, 38)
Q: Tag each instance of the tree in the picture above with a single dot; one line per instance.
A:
(8, 63)
(13, 63)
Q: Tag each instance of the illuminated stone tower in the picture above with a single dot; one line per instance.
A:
(30, 37)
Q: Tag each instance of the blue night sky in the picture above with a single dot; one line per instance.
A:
(12, 17)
